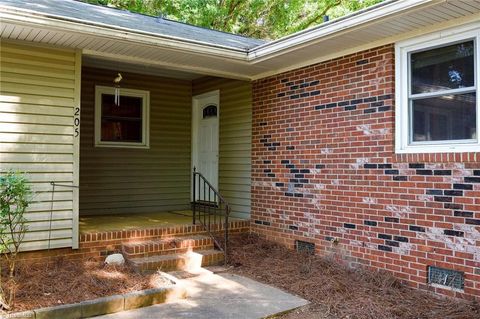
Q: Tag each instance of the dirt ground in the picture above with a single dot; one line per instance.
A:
(63, 282)
(338, 292)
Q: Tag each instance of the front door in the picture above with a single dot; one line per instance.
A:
(205, 115)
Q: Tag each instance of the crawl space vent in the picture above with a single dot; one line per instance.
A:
(305, 247)
(445, 277)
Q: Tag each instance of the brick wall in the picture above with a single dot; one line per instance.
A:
(324, 170)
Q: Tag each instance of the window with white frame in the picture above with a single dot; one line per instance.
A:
(123, 124)
(437, 93)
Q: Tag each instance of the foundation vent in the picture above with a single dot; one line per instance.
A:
(305, 247)
(445, 277)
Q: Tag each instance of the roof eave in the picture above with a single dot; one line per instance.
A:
(345, 24)
(22, 17)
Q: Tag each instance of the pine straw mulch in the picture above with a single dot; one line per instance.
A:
(64, 281)
(336, 291)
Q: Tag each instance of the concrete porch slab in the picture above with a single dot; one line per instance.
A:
(219, 296)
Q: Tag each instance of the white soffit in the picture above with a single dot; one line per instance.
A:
(389, 22)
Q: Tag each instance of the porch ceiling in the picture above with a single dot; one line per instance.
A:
(147, 69)
(386, 23)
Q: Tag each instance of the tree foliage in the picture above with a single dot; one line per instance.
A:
(265, 19)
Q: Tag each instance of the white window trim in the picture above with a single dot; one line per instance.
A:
(402, 74)
(145, 95)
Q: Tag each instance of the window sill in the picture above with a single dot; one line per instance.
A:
(427, 149)
(122, 145)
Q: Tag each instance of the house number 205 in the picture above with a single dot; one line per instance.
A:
(76, 121)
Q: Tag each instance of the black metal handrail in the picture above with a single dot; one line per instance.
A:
(210, 207)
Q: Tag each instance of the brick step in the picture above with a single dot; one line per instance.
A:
(191, 261)
(163, 246)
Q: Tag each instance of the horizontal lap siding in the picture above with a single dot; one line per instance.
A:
(235, 139)
(128, 180)
(38, 94)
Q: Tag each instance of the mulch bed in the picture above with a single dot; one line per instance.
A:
(63, 282)
(336, 291)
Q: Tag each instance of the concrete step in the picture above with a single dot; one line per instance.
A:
(190, 261)
(163, 246)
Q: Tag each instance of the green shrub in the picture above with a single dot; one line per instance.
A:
(15, 197)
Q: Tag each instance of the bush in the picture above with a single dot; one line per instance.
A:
(14, 199)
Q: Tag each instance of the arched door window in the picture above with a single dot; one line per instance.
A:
(210, 111)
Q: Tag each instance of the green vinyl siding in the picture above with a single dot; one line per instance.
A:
(38, 93)
(235, 139)
(132, 180)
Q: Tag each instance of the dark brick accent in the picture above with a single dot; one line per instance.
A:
(392, 172)
(450, 232)
(463, 186)
(400, 178)
(385, 236)
(258, 222)
(370, 165)
(453, 193)
(392, 220)
(443, 199)
(442, 172)
(416, 165)
(401, 239)
(384, 97)
(472, 221)
(293, 227)
(424, 172)
(472, 179)
(384, 108)
(290, 148)
(452, 206)
(460, 213)
(417, 228)
(434, 192)
(370, 223)
(384, 165)
(279, 184)
(320, 166)
(351, 226)
(392, 243)
(360, 62)
(384, 248)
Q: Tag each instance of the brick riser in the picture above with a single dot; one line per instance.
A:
(98, 245)
(178, 261)
(176, 245)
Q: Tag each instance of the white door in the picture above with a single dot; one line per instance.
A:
(205, 139)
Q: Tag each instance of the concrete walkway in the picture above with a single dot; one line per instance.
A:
(219, 296)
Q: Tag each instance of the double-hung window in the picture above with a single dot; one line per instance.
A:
(125, 124)
(437, 94)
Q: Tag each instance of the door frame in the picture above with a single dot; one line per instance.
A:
(195, 119)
